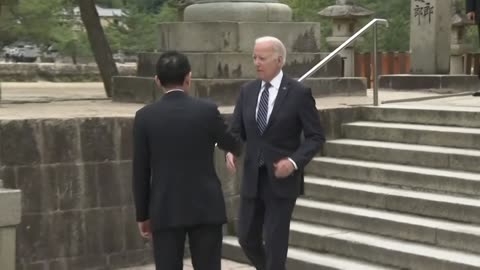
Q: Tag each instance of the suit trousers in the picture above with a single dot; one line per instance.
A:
(205, 247)
(264, 226)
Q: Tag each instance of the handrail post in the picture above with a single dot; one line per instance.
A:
(375, 68)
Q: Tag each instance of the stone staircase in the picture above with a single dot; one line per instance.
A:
(401, 190)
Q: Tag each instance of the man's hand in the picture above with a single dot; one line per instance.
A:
(283, 168)
(144, 228)
(231, 160)
(471, 15)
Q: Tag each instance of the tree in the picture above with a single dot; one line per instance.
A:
(99, 44)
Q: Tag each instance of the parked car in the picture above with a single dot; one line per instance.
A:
(21, 52)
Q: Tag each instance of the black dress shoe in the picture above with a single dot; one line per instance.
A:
(476, 94)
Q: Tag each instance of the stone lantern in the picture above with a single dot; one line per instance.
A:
(345, 15)
(458, 47)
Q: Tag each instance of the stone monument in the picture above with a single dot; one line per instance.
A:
(345, 15)
(218, 38)
(458, 46)
(430, 22)
(435, 33)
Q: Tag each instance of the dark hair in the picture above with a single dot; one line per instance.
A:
(172, 68)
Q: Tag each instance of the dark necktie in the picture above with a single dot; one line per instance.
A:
(262, 115)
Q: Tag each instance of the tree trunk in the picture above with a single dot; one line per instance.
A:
(98, 42)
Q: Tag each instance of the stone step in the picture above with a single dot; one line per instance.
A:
(413, 177)
(407, 154)
(238, 65)
(301, 259)
(450, 207)
(380, 249)
(426, 115)
(459, 137)
(431, 231)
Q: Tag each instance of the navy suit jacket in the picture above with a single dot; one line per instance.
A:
(294, 114)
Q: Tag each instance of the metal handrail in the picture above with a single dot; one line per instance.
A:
(329, 57)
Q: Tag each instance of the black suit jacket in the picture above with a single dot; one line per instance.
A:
(174, 178)
(474, 5)
(294, 113)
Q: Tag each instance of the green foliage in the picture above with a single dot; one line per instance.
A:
(41, 21)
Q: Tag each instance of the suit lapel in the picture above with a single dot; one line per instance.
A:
(282, 94)
(252, 102)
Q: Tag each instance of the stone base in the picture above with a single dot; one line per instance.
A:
(240, 65)
(438, 83)
(231, 11)
(224, 92)
(237, 36)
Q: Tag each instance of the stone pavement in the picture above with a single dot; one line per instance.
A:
(60, 100)
(187, 265)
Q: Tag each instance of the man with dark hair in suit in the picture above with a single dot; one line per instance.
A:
(271, 114)
(473, 14)
(176, 189)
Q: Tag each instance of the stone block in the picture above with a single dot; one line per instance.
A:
(222, 92)
(133, 240)
(7, 175)
(131, 258)
(61, 140)
(66, 235)
(332, 120)
(240, 65)
(33, 243)
(296, 36)
(94, 227)
(134, 89)
(10, 207)
(124, 138)
(7, 245)
(238, 11)
(98, 261)
(20, 143)
(123, 172)
(96, 138)
(73, 190)
(208, 36)
(110, 191)
(322, 87)
(237, 36)
(38, 188)
(113, 230)
(430, 36)
(436, 83)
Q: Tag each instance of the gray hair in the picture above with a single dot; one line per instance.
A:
(278, 46)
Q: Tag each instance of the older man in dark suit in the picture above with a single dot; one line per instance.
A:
(176, 189)
(271, 115)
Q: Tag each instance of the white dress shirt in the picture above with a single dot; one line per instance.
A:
(272, 95)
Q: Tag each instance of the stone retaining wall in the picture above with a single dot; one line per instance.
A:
(30, 72)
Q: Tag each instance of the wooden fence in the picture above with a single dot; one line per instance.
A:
(399, 63)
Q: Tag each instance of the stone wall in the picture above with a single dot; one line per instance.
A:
(28, 72)
(75, 178)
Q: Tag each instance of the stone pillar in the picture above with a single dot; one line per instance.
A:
(10, 213)
(458, 47)
(430, 25)
(345, 15)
